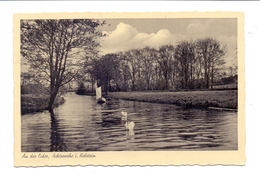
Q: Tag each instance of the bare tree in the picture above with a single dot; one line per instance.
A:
(233, 68)
(89, 72)
(212, 54)
(148, 57)
(165, 61)
(133, 57)
(185, 54)
(54, 49)
(124, 71)
(108, 71)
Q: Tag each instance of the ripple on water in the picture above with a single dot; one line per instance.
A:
(82, 125)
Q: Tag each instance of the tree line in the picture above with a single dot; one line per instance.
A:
(187, 65)
(58, 51)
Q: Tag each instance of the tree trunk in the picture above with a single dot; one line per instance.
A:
(148, 84)
(206, 75)
(51, 102)
(133, 82)
(165, 73)
(92, 85)
(212, 77)
(53, 95)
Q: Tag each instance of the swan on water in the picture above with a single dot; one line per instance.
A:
(129, 125)
(124, 114)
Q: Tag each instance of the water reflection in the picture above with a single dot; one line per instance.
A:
(57, 142)
(130, 134)
(82, 125)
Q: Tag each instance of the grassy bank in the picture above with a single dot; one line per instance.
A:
(196, 99)
(31, 103)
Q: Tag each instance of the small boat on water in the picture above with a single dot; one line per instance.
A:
(99, 98)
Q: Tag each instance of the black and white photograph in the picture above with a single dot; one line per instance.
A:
(128, 84)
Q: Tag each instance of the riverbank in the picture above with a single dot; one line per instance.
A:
(197, 99)
(31, 103)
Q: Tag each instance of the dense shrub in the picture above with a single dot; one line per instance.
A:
(32, 89)
(81, 90)
(37, 103)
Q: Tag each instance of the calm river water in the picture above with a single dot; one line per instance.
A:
(80, 124)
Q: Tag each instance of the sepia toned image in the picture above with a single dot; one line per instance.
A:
(118, 89)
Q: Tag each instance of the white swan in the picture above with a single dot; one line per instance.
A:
(124, 114)
(129, 125)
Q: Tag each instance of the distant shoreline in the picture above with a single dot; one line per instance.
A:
(225, 100)
(222, 100)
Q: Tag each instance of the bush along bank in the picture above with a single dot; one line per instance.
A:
(37, 103)
(83, 91)
(217, 100)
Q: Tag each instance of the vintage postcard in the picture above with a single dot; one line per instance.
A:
(129, 89)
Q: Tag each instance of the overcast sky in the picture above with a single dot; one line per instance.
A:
(125, 34)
